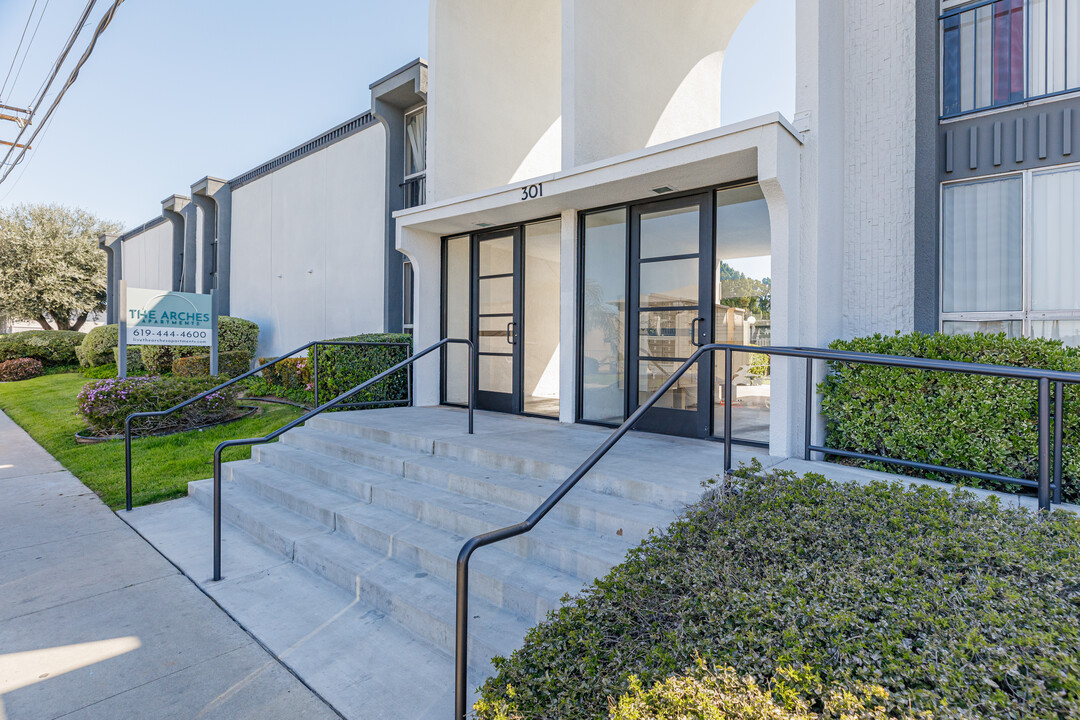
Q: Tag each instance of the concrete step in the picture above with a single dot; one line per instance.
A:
(303, 497)
(415, 599)
(583, 508)
(508, 581)
(642, 474)
(357, 451)
(572, 550)
(266, 521)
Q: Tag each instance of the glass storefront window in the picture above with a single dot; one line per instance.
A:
(543, 243)
(604, 328)
(743, 309)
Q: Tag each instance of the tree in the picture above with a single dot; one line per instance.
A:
(51, 269)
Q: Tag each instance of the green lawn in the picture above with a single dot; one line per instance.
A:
(161, 467)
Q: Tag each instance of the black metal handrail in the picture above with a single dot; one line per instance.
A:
(1044, 485)
(238, 378)
(312, 413)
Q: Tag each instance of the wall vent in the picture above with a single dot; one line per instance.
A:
(663, 189)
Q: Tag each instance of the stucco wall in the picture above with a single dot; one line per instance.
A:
(879, 155)
(493, 93)
(643, 72)
(308, 244)
(147, 258)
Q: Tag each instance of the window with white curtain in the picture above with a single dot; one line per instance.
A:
(1009, 255)
(415, 143)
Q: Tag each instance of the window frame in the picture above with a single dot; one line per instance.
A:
(422, 110)
(1026, 314)
(959, 8)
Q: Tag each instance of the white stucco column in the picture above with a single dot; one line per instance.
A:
(424, 249)
(779, 178)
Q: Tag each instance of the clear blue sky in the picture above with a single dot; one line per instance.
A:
(180, 90)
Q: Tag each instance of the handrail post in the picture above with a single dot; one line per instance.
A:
(315, 384)
(127, 462)
(1059, 430)
(217, 513)
(461, 636)
(727, 410)
(1044, 443)
(472, 384)
(808, 420)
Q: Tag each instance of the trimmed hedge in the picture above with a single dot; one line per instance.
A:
(234, 335)
(51, 347)
(98, 346)
(288, 374)
(342, 368)
(105, 404)
(951, 604)
(159, 359)
(20, 369)
(230, 364)
(968, 422)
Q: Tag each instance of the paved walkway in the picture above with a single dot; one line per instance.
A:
(94, 623)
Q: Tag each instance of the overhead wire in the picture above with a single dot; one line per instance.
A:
(29, 45)
(17, 49)
(104, 23)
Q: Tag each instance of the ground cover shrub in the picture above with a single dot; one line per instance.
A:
(20, 369)
(973, 423)
(230, 364)
(342, 368)
(105, 404)
(951, 605)
(98, 345)
(51, 347)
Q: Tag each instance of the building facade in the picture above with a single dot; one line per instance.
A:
(557, 185)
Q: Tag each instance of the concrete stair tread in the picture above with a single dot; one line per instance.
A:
(608, 547)
(486, 516)
(621, 474)
(530, 492)
(300, 495)
(397, 456)
(412, 597)
(439, 551)
(259, 517)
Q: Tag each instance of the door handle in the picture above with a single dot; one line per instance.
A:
(694, 331)
(511, 328)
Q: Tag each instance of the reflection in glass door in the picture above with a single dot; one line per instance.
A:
(498, 307)
(669, 289)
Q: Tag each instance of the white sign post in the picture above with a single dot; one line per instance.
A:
(159, 317)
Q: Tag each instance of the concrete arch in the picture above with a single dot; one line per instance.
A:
(643, 73)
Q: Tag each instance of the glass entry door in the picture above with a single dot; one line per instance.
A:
(670, 312)
(497, 324)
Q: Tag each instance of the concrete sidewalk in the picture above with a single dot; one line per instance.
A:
(94, 623)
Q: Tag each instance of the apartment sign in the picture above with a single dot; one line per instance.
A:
(157, 317)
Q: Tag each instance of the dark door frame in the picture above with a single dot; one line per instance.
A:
(687, 423)
(486, 399)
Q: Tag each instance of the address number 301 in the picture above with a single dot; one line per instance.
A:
(531, 192)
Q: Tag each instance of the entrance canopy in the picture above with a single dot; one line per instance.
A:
(757, 147)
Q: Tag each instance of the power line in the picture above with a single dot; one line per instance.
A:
(29, 44)
(16, 56)
(56, 71)
(104, 23)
